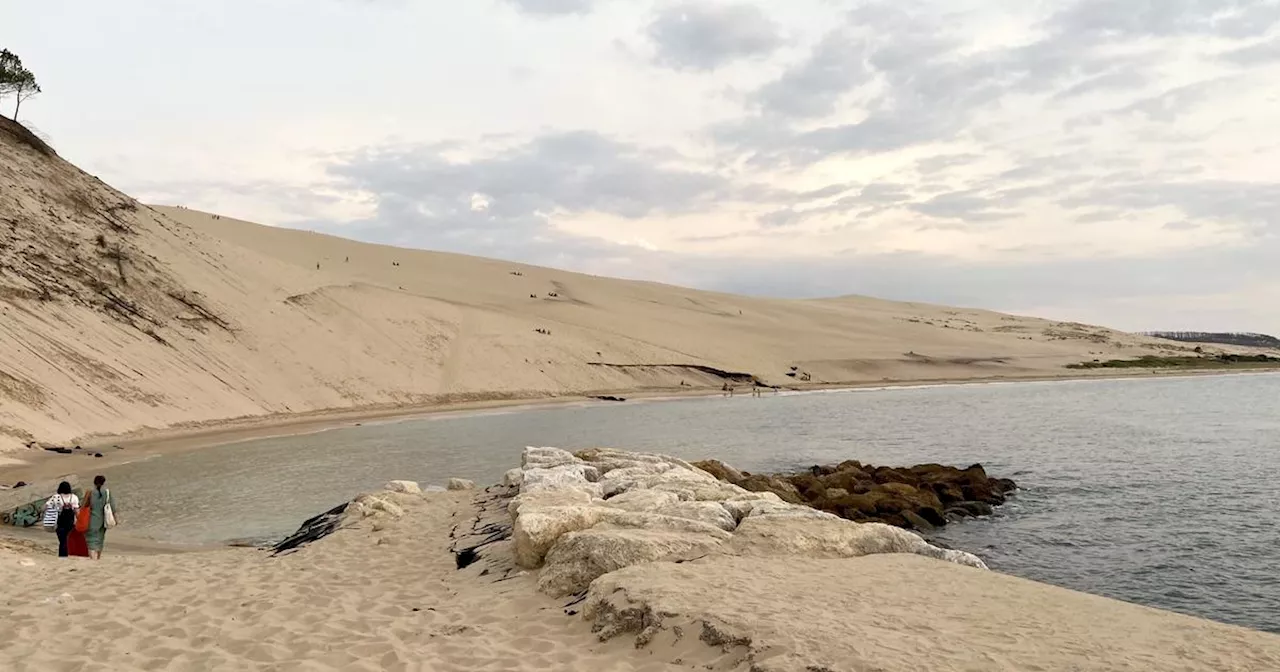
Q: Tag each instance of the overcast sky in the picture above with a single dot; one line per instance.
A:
(1109, 161)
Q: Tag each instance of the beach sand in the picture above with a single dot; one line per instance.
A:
(386, 594)
(361, 599)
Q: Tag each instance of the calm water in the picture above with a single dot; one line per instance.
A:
(1161, 492)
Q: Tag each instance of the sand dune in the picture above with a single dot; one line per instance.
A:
(116, 316)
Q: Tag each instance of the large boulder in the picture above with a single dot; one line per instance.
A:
(669, 504)
(513, 478)
(661, 521)
(546, 458)
(608, 459)
(711, 513)
(407, 487)
(541, 498)
(914, 497)
(642, 500)
(774, 484)
(461, 484)
(701, 491)
(720, 470)
(834, 538)
(741, 509)
(579, 558)
(565, 477)
(537, 528)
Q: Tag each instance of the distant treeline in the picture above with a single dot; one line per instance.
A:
(1227, 338)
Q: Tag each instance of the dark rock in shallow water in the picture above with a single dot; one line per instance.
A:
(917, 523)
(312, 529)
(976, 508)
(921, 497)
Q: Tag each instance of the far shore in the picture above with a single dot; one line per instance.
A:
(34, 466)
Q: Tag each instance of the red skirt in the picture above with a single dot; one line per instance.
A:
(77, 547)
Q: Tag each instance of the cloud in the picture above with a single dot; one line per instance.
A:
(1121, 19)
(549, 8)
(1111, 160)
(1262, 53)
(706, 35)
(964, 205)
(422, 197)
(1255, 205)
(914, 76)
(812, 88)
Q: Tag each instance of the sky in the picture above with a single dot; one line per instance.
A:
(1107, 161)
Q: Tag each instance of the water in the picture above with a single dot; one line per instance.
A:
(1155, 491)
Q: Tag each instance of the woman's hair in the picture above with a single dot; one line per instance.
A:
(99, 481)
(64, 488)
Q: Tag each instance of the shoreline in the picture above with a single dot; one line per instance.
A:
(384, 589)
(149, 443)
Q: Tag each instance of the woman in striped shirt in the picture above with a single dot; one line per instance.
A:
(60, 515)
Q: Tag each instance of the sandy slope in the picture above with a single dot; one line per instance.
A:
(116, 316)
(386, 595)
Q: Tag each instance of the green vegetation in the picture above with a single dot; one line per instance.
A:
(1226, 338)
(16, 80)
(1209, 362)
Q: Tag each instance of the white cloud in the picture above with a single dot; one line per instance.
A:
(1083, 156)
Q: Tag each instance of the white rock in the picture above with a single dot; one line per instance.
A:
(513, 478)
(370, 505)
(566, 477)
(834, 538)
(537, 528)
(609, 459)
(711, 513)
(667, 476)
(659, 521)
(579, 558)
(701, 491)
(461, 484)
(741, 509)
(546, 458)
(669, 504)
(409, 487)
(540, 498)
(642, 500)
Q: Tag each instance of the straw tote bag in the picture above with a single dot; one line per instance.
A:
(109, 514)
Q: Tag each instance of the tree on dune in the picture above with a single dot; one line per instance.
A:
(16, 80)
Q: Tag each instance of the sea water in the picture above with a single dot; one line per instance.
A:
(1162, 492)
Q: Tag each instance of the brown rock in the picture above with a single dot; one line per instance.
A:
(762, 483)
(921, 497)
(720, 470)
(917, 522)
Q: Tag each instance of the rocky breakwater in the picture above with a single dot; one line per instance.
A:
(580, 516)
(921, 498)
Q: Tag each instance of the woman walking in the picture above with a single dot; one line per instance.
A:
(60, 515)
(101, 516)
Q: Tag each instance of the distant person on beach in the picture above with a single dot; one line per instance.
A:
(101, 516)
(60, 515)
